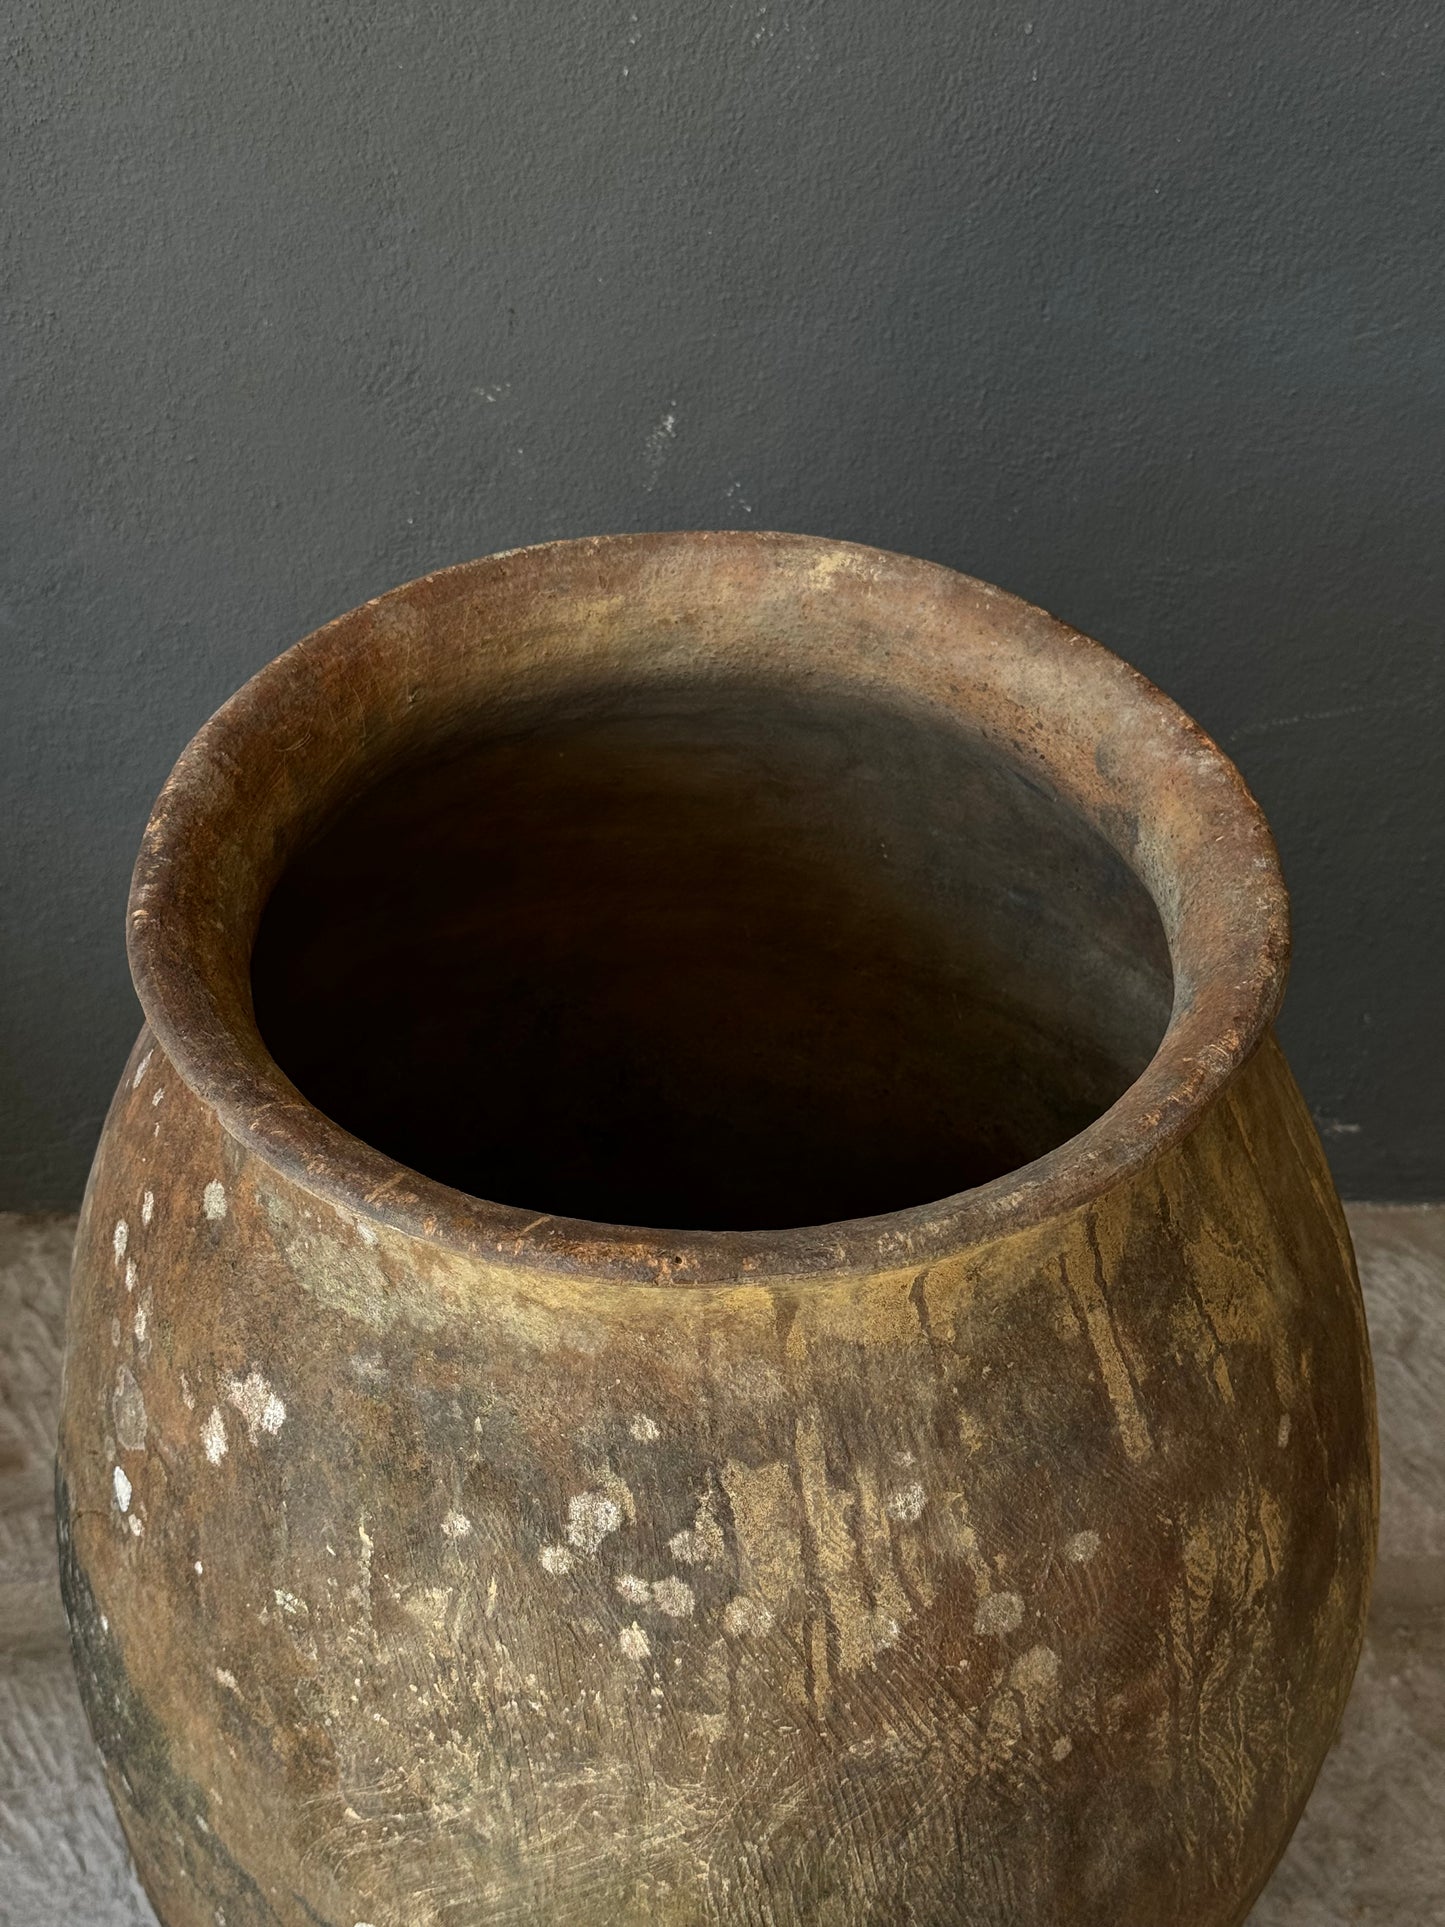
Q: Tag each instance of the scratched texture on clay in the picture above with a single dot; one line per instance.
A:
(976, 1520)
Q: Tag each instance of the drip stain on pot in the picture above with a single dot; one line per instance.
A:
(711, 957)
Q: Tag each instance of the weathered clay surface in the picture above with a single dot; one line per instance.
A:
(427, 1565)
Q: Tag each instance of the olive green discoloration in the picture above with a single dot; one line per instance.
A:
(1020, 1581)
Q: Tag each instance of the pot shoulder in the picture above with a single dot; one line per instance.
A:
(1029, 1583)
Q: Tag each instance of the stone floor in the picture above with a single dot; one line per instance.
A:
(1370, 1850)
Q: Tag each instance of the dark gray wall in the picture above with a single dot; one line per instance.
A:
(1134, 309)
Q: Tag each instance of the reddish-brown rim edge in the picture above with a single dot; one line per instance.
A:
(232, 1073)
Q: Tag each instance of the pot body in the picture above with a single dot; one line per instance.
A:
(1021, 1586)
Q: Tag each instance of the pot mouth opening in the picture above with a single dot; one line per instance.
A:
(560, 903)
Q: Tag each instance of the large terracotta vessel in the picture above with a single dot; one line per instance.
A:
(954, 1504)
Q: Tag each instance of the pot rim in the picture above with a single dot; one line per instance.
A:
(1155, 785)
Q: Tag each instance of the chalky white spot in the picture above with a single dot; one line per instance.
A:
(634, 1642)
(908, 1502)
(1082, 1547)
(555, 1559)
(148, 1207)
(590, 1517)
(1036, 1670)
(140, 1070)
(744, 1615)
(122, 1489)
(1282, 1435)
(702, 1543)
(456, 1525)
(136, 1528)
(128, 1409)
(213, 1200)
(1062, 1748)
(226, 1679)
(142, 1321)
(674, 1597)
(115, 1331)
(365, 1232)
(998, 1612)
(257, 1404)
(198, 1567)
(636, 1591)
(119, 1238)
(188, 1397)
(644, 1429)
(131, 1274)
(213, 1436)
(156, 1099)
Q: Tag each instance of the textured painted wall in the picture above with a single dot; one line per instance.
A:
(1134, 310)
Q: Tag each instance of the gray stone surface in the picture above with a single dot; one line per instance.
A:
(1133, 309)
(1370, 1851)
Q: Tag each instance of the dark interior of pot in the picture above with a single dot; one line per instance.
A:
(712, 958)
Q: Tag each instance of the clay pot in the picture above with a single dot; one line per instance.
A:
(958, 1506)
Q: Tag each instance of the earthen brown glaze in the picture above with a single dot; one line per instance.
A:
(959, 1507)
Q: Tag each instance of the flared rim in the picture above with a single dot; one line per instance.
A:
(260, 775)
